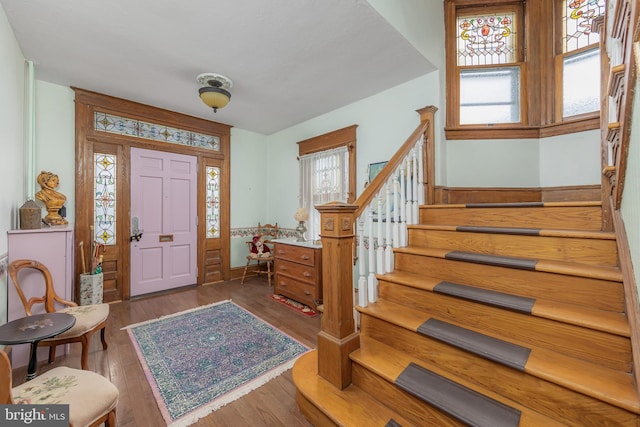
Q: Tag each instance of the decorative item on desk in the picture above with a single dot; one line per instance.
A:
(301, 216)
(51, 198)
(30, 215)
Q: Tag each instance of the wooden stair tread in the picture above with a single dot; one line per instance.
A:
(513, 205)
(581, 234)
(391, 364)
(614, 387)
(351, 406)
(548, 266)
(601, 320)
(561, 215)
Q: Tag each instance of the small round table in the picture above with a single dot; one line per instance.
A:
(33, 329)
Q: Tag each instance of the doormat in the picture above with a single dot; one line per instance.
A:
(295, 305)
(198, 360)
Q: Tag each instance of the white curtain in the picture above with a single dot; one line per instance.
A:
(324, 177)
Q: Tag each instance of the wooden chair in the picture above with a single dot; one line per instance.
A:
(92, 398)
(268, 232)
(89, 318)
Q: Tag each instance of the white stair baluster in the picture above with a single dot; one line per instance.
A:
(396, 210)
(409, 191)
(414, 178)
(403, 212)
(388, 247)
(362, 279)
(420, 174)
(379, 237)
(372, 281)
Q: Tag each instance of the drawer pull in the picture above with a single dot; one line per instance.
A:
(305, 257)
(307, 274)
(283, 268)
(307, 293)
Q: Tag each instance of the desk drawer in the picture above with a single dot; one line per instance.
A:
(305, 293)
(302, 272)
(295, 253)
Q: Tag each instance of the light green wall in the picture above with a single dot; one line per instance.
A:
(12, 112)
(249, 187)
(55, 139)
(384, 122)
(12, 106)
(572, 159)
(630, 208)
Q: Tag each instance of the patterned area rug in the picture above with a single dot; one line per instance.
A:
(295, 305)
(199, 360)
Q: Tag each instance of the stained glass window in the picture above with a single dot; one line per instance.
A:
(486, 39)
(104, 190)
(213, 202)
(577, 18)
(125, 126)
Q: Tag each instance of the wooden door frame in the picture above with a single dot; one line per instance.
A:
(87, 139)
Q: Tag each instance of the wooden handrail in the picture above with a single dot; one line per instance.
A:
(425, 127)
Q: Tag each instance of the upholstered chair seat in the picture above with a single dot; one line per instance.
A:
(92, 398)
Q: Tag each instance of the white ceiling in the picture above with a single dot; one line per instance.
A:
(290, 60)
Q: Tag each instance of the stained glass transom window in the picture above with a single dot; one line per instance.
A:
(486, 39)
(104, 206)
(577, 19)
(213, 202)
(124, 126)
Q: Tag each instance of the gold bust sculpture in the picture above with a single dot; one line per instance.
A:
(51, 198)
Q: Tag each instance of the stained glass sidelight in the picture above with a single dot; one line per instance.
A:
(577, 18)
(104, 206)
(125, 126)
(213, 202)
(486, 39)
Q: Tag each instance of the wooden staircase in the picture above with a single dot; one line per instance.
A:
(495, 315)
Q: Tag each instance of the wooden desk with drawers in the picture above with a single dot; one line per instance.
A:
(298, 271)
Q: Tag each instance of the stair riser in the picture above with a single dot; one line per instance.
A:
(582, 343)
(596, 293)
(414, 409)
(314, 415)
(585, 251)
(543, 396)
(561, 217)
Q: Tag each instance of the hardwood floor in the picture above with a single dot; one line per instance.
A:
(273, 404)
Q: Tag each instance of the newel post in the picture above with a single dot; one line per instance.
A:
(337, 337)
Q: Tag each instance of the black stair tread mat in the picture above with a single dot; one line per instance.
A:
(494, 298)
(506, 353)
(506, 205)
(459, 401)
(500, 261)
(393, 423)
(500, 230)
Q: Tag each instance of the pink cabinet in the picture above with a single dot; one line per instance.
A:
(52, 246)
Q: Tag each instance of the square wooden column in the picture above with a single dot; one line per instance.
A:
(337, 337)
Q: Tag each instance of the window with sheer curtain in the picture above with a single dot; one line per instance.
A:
(324, 177)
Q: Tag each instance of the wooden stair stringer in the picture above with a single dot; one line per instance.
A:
(584, 377)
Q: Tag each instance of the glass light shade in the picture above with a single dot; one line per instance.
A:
(215, 97)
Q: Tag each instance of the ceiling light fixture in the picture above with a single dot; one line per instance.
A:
(214, 91)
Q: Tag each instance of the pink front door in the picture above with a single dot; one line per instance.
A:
(164, 210)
